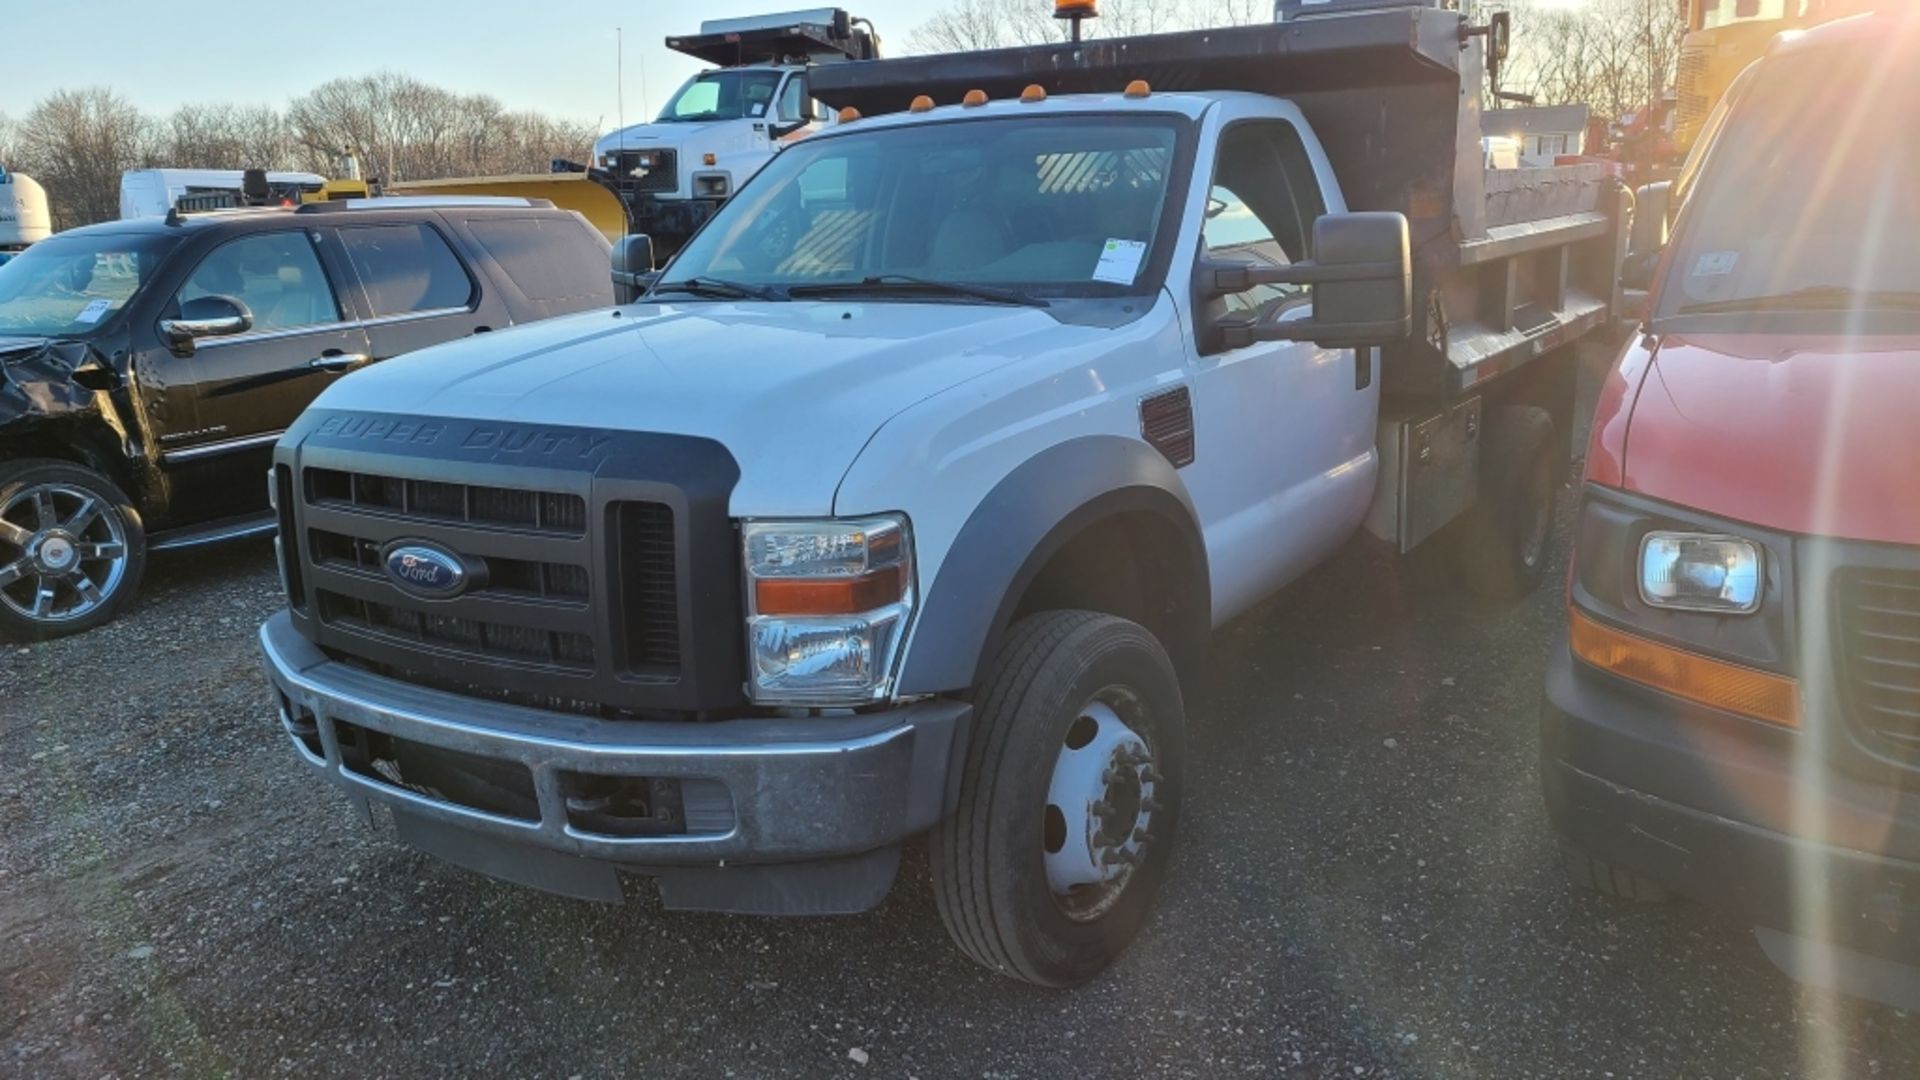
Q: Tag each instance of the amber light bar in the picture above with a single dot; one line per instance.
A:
(1696, 678)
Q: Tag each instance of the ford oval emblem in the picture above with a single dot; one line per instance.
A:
(427, 570)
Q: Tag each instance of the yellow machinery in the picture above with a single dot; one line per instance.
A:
(576, 191)
(1724, 36)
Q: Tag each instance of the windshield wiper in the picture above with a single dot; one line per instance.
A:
(714, 287)
(904, 283)
(1812, 298)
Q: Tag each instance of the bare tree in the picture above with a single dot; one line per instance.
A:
(967, 25)
(227, 137)
(78, 142)
(1618, 56)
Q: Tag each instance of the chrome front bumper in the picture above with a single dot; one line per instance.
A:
(757, 790)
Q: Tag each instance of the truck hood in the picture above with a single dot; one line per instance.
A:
(644, 136)
(793, 390)
(1808, 435)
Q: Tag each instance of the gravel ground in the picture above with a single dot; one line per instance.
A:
(1365, 888)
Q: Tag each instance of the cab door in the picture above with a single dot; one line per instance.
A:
(1289, 425)
(248, 388)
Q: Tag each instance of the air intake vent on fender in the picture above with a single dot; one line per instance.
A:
(1166, 422)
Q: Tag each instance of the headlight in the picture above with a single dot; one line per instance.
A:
(828, 604)
(1695, 572)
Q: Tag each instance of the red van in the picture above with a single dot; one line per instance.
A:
(1734, 715)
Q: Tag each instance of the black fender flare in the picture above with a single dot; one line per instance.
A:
(1028, 517)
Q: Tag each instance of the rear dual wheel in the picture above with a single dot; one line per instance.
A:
(1069, 799)
(71, 550)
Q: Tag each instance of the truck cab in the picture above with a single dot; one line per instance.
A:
(24, 216)
(906, 499)
(1734, 713)
(724, 124)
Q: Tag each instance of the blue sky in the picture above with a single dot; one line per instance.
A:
(553, 55)
(556, 56)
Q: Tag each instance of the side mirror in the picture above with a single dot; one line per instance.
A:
(1652, 206)
(1362, 278)
(206, 316)
(633, 269)
(783, 127)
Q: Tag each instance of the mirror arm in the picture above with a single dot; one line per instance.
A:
(1226, 279)
(1240, 332)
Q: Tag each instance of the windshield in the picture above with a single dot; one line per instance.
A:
(68, 286)
(1805, 199)
(1052, 206)
(722, 95)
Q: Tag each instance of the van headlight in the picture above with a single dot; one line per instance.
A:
(828, 603)
(1700, 572)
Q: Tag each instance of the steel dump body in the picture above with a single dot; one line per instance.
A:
(1508, 264)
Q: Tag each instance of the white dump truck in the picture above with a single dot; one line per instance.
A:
(906, 498)
(24, 216)
(726, 123)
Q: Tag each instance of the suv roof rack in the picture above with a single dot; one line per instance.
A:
(402, 202)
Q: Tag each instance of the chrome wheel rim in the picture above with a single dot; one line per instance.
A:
(63, 553)
(1101, 802)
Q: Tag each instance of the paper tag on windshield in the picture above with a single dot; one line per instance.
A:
(1716, 264)
(94, 311)
(1120, 262)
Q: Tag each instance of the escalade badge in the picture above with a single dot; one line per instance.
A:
(427, 570)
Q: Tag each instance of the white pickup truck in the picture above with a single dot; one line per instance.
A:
(906, 498)
(723, 125)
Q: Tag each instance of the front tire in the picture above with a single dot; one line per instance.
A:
(1069, 799)
(71, 550)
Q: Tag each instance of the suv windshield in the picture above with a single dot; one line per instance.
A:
(1805, 199)
(68, 286)
(1047, 206)
(722, 95)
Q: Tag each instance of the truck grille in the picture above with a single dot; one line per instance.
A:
(1878, 613)
(601, 568)
(652, 171)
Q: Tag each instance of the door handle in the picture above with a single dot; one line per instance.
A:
(335, 360)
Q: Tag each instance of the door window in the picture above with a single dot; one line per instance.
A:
(1261, 208)
(795, 103)
(277, 275)
(407, 269)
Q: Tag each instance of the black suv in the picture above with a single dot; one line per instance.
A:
(147, 367)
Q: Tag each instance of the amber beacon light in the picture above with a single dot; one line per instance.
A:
(1076, 12)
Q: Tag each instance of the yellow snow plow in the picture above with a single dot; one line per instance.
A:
(576, 191)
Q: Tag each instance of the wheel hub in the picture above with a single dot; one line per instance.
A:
(1100, 803)
(55, 552)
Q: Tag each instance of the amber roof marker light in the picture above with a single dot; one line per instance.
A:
(1076, 12)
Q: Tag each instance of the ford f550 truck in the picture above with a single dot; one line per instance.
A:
(907, 498)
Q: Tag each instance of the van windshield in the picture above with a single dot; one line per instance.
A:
(1805, 200)
(70, 286)
(722, 95)
(1045, 206)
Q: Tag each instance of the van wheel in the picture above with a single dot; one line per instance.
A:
(1069, 799)
(1501, 545)
(71, 550)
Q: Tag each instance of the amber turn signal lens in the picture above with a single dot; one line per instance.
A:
(1695, 678)
(1067, 9)
(828, 596)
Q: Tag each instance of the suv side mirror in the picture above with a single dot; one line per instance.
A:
(1362, 278)
(206, 316)
(633, 269)
(1652, 206)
